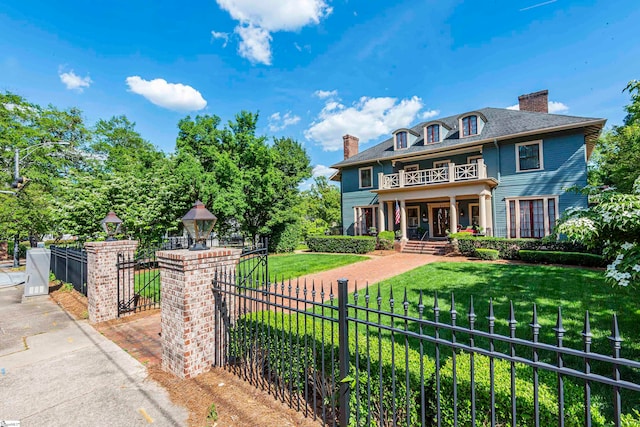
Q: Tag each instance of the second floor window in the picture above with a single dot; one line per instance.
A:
(401, 140)
(366, 177)
(529, 156)
(470, 125)
(433, 134)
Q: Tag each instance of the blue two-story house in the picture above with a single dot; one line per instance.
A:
(504, 171)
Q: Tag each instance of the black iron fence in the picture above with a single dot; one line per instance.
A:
(367, 359)
(69, 264)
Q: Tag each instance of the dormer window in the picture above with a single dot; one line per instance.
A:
(433, 134)
(401, 140)
(469, 126)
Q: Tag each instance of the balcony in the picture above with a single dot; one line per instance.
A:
(449, 173)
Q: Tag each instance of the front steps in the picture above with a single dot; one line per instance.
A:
(427, 247)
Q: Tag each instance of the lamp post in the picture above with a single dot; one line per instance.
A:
(19, 182)
(199, 222)
(111, 225)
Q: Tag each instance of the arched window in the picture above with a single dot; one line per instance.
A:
(433, 134)
(470, 126)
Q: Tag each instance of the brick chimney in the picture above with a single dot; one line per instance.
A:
(538, 102)
(350, 146)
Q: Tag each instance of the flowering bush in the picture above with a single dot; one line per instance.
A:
(616, 218)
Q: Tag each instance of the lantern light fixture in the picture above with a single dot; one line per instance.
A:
(199, 223)
(111, 224)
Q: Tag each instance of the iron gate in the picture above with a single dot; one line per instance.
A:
(138, 282)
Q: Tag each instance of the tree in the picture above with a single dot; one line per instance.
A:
(617, 153)
(321, 206)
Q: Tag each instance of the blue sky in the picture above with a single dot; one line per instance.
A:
(317, 69)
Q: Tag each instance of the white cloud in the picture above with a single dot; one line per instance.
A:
(221, 36)
(555, 107)
(259, 18)
(368, 118)
(429, 114)
(322, 170)
(255, 44)
(322, 94)
(74, 82)
(277, 122)
(174, 96)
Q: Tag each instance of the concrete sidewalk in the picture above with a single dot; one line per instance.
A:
(56, 371)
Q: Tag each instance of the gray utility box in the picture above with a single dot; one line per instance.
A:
(37, 274)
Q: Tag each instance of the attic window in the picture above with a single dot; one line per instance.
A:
(401, 140)
(469, 126)
(433, 134)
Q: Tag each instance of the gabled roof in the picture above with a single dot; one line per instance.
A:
(501, 124)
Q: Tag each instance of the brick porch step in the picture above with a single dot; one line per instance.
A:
(428, 247)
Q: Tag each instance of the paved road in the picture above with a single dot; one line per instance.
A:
(9, 278)
(55, 371)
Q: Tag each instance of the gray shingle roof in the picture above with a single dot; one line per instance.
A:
(500, 123)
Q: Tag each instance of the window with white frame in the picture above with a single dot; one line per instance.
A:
(401, 140)
(433, 134)
(531, 217)
(469, 126)
(366, 177)
(441, 164)
(411, 168)
(473, 159)
(529, 156)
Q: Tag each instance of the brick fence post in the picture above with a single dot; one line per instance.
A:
(102, 277)
(188, 307)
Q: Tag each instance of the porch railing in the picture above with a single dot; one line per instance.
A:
(449, 173)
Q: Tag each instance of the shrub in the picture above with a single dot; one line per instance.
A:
(22, 249)
(547, 395)
(487, 254)
(387, 235)
(555, 257)
(342, 244)
(509, 248)
(285, 238)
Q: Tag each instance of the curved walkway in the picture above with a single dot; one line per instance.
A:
(373, 270)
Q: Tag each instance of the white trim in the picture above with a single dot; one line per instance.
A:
(426, 134)
(358, 219)
(545, 209)
(411, 168)
(395, 140)
(540, 155)
(461, 134)
(470, 214)
(469, 158)
(441, 163)
(360, 176)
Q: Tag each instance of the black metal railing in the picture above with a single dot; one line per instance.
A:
(69, 264)
(368, 359)
(138, 282)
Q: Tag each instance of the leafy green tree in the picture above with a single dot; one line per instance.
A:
(321, 206)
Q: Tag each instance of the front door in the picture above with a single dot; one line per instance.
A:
(440, 221)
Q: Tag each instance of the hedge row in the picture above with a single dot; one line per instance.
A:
(277, 337)
(487, 254)
(342, 244)
(569, 258)
(509, 248)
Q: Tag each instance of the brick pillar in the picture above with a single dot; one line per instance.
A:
(102, 277)
(188, 307)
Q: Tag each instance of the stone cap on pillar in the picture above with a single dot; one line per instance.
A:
(118, 245)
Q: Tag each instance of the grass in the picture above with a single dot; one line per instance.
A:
(147, 283)
(291, 266)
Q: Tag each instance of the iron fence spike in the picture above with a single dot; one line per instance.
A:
(559, 329)
(615, 337)
(512, 315)
(453, 305)
(586, 331)
(472, 313)
(435, 302)
(491, 318)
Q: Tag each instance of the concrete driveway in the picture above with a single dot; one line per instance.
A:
(56, 371)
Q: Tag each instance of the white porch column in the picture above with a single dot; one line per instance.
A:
(390, 217)
(453, 215)
(403, 220)
(380, 217)
(482, 211)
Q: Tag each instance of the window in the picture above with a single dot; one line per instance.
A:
(411, 168)
(531, 218)
(441, 164)
(473, 159)
(433, 134)
(469, 125)
(401, 140)
(529, 156)
(366, 177)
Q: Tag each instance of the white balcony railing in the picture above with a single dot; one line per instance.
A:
(449, 173)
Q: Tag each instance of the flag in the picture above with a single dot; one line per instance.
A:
(397, 213)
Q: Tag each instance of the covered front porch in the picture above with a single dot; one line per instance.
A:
(431, 212)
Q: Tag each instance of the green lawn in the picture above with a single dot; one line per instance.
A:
(147, 283)
(291, 266)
